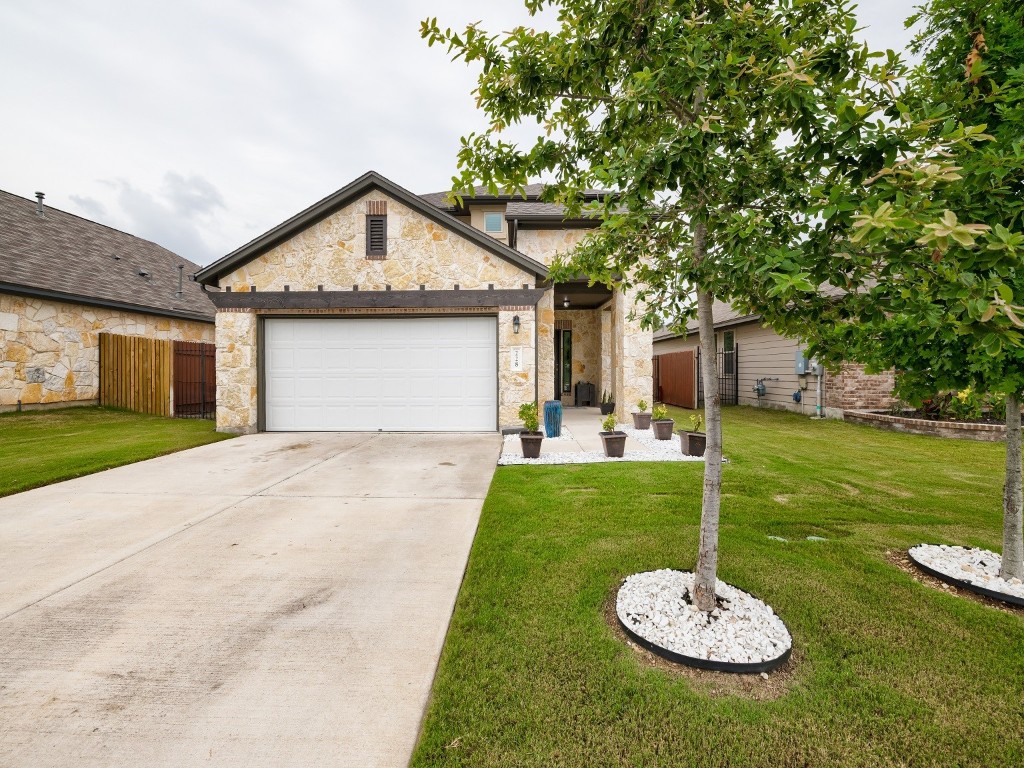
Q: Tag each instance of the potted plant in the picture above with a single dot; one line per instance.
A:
(641, 418)
(607, 404)
(694, 441)
(614, 440)
(531, 436)
(662, 423)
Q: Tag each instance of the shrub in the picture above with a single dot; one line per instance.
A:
(608, 424)
(528, 415)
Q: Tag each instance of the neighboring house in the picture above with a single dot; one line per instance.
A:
(379, 309)
(750, 352)
(64, 280)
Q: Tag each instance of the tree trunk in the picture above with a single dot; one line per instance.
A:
(1013, 496)
(707, 556)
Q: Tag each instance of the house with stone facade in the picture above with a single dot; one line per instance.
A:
(63, 281)
(379, 309)
(753, 353)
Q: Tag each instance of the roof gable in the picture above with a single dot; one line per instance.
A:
(346, 195)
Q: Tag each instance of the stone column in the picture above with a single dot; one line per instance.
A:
(236, 372)
(515, 387)
(633, 374)
(605, 382)
(546, 347)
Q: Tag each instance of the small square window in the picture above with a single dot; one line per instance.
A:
(492, 222)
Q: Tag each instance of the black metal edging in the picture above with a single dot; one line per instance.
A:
(1001, 596)
(753, 667)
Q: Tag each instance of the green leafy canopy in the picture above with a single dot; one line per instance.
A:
(732, 116)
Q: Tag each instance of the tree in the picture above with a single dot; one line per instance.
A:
(711, 122)
(928, 247)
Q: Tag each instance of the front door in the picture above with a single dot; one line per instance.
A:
(563, 363)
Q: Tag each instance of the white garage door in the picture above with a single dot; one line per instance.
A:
(391, 374)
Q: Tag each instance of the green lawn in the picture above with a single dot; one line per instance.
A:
(886, 671)
(43, 447)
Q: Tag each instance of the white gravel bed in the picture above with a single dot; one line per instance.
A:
(592, 457)
(565, 434)
(651, 449)
(979, 567)
(656, 606)
(650, 443)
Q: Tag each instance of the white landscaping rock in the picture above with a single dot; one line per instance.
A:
(651, 450)
(656, 606)
(979, 567)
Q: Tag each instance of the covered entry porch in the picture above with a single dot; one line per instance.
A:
(589, 347)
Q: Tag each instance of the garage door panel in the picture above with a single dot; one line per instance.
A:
(394, 374)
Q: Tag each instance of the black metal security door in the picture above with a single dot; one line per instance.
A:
(728, 376)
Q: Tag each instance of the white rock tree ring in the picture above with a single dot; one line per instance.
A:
(742, 634)
(976, 570)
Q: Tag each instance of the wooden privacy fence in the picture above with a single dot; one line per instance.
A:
(135, 373)
(195, 380)
(675, 379)
(164, 378)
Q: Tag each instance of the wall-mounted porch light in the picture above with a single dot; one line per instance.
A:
(515, 324)
(565, 302)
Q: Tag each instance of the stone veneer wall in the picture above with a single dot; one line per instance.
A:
(332, 253)
(546, 347)
(586, 349)
(544, 244)
(49, 350)
(632, 360)
(853, 389)
(237, 374)
(625, 362)
(516, 388)
(606, 352)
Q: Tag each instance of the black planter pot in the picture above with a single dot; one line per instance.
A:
(693, 443)
(663, 429)
(531, 444)
(641, 421)
(614, 444)
(607, 408)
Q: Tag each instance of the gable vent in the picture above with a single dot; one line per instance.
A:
(376, 236)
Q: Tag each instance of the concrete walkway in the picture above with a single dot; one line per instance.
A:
(273, 600)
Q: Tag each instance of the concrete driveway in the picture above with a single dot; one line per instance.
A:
(273, 600)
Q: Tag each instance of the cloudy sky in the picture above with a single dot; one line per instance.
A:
(200, 125)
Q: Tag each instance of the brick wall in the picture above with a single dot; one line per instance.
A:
(851, 388)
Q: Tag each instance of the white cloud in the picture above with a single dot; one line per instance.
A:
(220, 120)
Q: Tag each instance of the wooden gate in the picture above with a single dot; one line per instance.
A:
(195, 380)
(675, 382)
(135, 373)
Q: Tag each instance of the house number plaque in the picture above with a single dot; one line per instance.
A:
(516, 354)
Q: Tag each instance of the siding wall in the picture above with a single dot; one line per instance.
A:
(762, 354)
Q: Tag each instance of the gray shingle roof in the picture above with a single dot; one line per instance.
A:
(530, 193)
(440, 199)
(534, 210)
(724, 315)
(60, 253)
